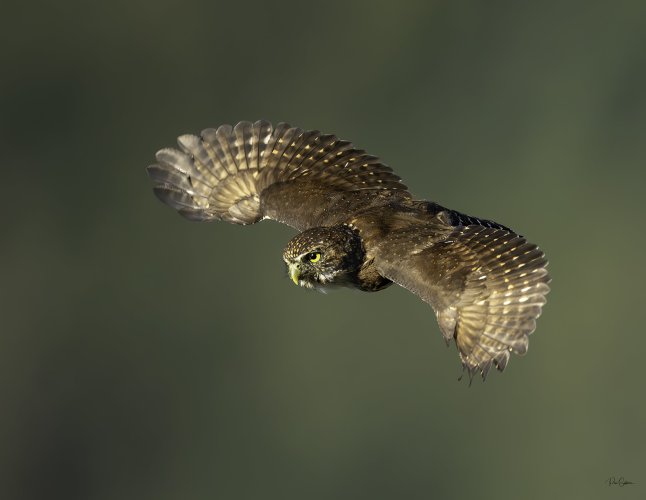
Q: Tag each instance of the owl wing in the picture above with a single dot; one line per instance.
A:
(487, 286)
(251, 172)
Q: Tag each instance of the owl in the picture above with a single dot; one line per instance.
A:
(361, 228)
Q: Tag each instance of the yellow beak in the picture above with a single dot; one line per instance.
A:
(294, 273)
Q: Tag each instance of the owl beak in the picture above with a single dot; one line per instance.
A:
(294, 273)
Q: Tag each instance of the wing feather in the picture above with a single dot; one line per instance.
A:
(487, 286)
(252, 171)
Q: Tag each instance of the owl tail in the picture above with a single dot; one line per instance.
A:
(218, 175)
(502, 299)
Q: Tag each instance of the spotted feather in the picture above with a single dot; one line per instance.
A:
(242, 174)
(486, 285)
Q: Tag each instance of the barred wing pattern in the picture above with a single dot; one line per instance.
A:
(245, 173)
(486, 285)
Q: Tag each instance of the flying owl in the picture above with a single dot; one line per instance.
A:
(361, 228)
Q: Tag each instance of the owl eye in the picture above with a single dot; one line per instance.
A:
(313, 256)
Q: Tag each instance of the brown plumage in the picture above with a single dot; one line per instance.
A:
(361, 228)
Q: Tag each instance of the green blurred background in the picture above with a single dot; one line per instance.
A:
(146, 357)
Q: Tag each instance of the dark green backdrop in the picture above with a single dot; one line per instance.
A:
(146, 357)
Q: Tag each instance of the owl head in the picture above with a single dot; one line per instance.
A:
(324, 256)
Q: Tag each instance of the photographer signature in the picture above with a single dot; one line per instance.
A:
(618, 481)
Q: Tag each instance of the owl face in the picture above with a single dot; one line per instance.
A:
(323, 257)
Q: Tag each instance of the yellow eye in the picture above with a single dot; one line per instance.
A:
(314, 256)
